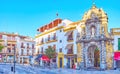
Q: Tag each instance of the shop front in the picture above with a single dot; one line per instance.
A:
(117, 59)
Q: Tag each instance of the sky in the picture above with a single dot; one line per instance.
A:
(26, 16)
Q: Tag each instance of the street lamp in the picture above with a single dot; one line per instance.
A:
(113, 54)
(14, 58)
(5, 58)
(13, 68)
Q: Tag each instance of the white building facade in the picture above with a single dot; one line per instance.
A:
(12, 44)
(62, 40)
(116, 34)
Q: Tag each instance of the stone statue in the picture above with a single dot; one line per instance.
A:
(93, 31)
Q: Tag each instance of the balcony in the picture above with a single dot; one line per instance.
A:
(38, 43)
(33, 46)
(21, 54)
(51, 39)
(10, 53)
(11, 39)
(22, 46)
(28, 47)
(24, 54)
(70, 51)
(70, 38)
(28, 54)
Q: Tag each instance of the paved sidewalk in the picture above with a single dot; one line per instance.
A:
(22, 69)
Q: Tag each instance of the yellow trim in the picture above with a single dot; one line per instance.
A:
(69, 54)
(1, 40)
(116, 33)
(40, 44)
(115, 29)
(28, 40)
(70, 40)
(12, 41)
(117, 51)
(49, 31)
(60, 55)
(78, 59)
(51, 41)
(75, 23)
(69, 29)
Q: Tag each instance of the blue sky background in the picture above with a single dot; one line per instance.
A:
(25, 16)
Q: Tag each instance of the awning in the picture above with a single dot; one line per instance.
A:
(30, 57)
(69, 46)
(68, 33)
(116, 55)
(44, 58)
(39, 56)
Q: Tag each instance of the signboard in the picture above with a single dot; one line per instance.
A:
(116, 55)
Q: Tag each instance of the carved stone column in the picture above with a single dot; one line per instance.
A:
(82, 53)
(103, 56)
(86, 55)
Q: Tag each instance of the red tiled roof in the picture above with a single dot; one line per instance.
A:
(50, 25)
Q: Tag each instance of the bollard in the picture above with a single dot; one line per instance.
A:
(12, 69)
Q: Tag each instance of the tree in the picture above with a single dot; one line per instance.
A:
(50, 52)
(1, 47)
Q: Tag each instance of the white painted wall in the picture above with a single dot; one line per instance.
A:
(116, 42)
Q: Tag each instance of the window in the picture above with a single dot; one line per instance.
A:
(60, 41)
(42, 40)
(54, 60)
(60, 30)
(54, 38)
(38, 51)
(48, 37)
(0, 36)
(118, 43)
(9, 50)
(60, 50)
(54, 47)
(27, 45)
(70, 36)
(22, 52)
(13, 44)
(22, 45)
(75, 59)
(49, 46)
(8, 44)
(41, 49)
(32, 46)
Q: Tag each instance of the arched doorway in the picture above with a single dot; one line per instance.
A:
(93, 56)
(96, 58)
